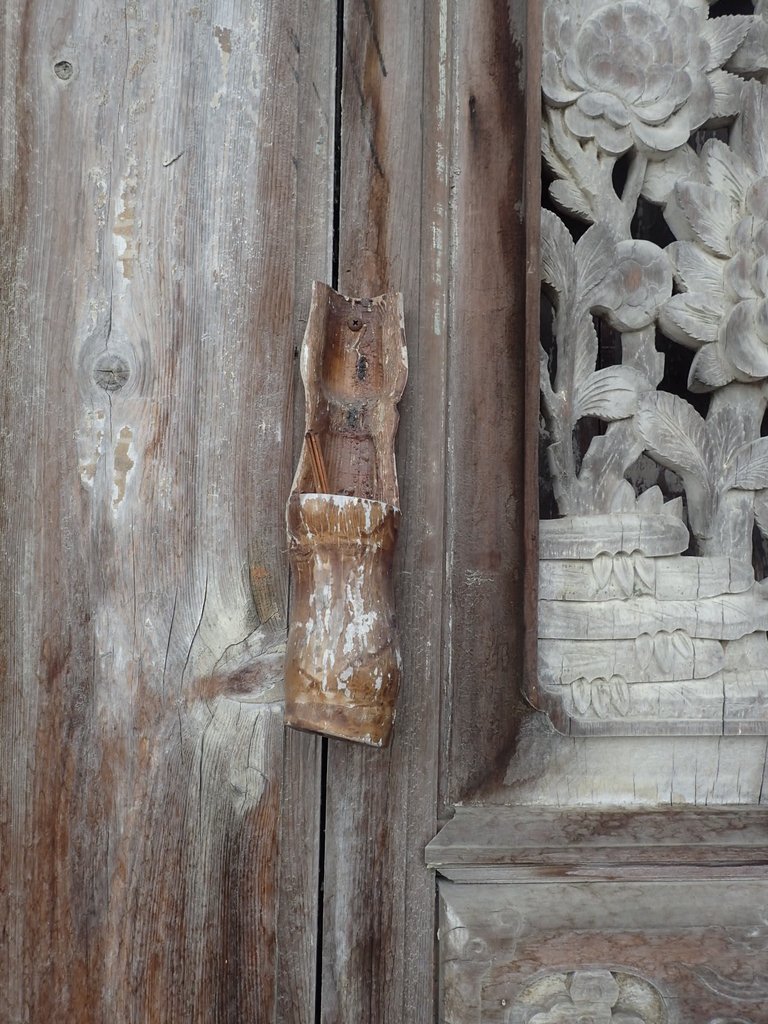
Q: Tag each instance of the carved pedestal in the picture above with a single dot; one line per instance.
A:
(621, 917)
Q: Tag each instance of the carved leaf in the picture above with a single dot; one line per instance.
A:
(623, 498)
(682, 644)
(620, 694)
(724, 35)
(644, 649)
(601, 568)
(674, 508)
(709, 215)
(609, 394)
(605, 463)
(728, 89)
(695, 269)
(749, 134)
(558, 254)
(595, 257)
(624, 573)
(749, 468)
(581, 690)
(663, 651)
(761, 512)
(662, 175)
(646, 572)
(577, 342)
(651, 501)
(601, 697)
(550, 154)
(709, 369)
(673, 433)
(570, 198)
(691, 318)
(752, 55)
(725, 170)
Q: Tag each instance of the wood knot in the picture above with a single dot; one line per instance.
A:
(111, 372)
(63, 69)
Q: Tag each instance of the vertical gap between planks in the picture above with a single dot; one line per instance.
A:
(335, 247)
(336, 233)
(444, 717)
(532, 207)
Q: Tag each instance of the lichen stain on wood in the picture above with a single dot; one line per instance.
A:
(343, 657)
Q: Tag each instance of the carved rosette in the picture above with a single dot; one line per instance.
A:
(651, 616)
(589, 997)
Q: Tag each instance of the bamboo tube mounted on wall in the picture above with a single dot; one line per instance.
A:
(343, 658)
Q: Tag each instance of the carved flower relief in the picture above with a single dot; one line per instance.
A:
(591, 999)
(642, 73)
(721, 263)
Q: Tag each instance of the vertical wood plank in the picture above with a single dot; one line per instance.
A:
(483, 631)
(299, 878)
(164, 189)
(378, 935)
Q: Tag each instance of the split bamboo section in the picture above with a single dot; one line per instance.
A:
(343, 658)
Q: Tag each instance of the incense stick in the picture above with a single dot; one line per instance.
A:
(318, 462)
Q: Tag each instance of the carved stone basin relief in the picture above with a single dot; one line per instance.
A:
(653, 604)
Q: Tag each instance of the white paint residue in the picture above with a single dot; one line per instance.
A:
(344, 678)
(123, 464)
(123, 232)
(361, 623)
(224, 39)
(91, 444)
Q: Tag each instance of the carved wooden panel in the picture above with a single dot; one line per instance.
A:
(606, 952)
(653, 608)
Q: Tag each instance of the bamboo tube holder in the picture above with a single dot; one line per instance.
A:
(343, 660)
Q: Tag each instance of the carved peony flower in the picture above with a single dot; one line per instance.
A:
(643, 73)
(721, 266)
(637, 282)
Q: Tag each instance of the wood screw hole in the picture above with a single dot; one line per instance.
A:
(63, 70)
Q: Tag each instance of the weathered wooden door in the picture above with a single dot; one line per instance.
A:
(173, 178)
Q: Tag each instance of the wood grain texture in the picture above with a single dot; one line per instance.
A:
(432, 118)
(525, 843)
(482, 608)
(378, 933)
(149, 266)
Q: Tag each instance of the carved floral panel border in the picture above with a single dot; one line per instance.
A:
(607, 953)
(652, 618)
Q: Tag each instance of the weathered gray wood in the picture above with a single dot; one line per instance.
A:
(298, 883)
(634, 771)
(516, 843)
(667, 579)
(724, 618)
(589, 536)
(657, 952)
(149, 262)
